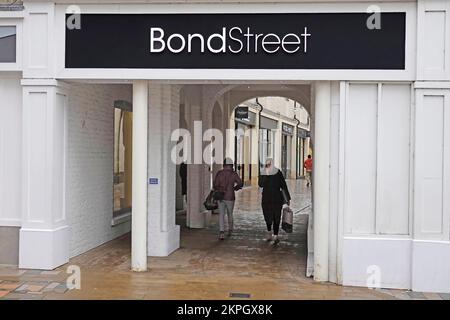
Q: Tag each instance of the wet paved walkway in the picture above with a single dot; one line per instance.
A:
(242, 266)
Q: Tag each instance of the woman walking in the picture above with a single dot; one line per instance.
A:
(274, 186)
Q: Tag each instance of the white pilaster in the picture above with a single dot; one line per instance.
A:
(321, 180)
(277, 145)
(255, 150)
(39, 37)
(139, 177)
(207, 121)
(294, 159)
(44, 236)
(163, 118)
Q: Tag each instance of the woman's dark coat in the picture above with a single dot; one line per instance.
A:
(272, 185)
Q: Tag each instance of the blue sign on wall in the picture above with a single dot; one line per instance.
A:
(153, 181)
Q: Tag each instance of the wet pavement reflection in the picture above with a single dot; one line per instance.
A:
(242, 266)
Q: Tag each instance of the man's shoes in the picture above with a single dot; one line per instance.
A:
(269, 236)
(222, 235)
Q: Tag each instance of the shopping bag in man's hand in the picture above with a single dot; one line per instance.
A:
(210, 203)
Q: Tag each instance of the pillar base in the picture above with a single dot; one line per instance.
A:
(43, 249)
(201, 220)
(162, 244)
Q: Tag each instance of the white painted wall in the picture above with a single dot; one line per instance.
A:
(10, 151)
(432, 201)
(433, 30)
(334, 224)
(360, 158)
(394, 160)
(431, 258)
(377, 158)
(90, 151)
(163, 117)
(376, 189)
(405, 228)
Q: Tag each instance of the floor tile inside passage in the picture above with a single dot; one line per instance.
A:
(242, 266)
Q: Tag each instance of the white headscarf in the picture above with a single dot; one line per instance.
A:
(269, 168)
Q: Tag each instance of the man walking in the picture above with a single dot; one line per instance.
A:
(308, 164)
(227, 181)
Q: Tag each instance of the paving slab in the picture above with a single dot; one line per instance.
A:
(416, 295)
(22, 288)
(10, 286)
(51, 273)
(3, 293)
(432, 296)
(445, 296)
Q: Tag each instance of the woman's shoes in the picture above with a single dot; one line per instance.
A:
(276, 240)
(272, 238)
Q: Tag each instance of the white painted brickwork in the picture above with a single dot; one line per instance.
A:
(196, 214)
(163, 233)
(90, 149)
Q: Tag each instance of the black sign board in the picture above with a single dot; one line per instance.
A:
(287, 129)
(268, 123)
(241, 113)
(237, 41)
(303, 133)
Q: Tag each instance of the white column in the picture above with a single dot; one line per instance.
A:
(163, 233)
(196, 217)
(229, 126)
(44, 235)
(321, 179)
(207, 108)
(230, 143)
(294, 159)
(334, 234)
(278, 145)
(255, 148)
(139, 174)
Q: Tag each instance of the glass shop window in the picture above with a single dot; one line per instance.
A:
(122, 161)
(7, 44)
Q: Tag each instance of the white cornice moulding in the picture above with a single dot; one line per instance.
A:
(432, 85)
(12, 14)
(40, 82)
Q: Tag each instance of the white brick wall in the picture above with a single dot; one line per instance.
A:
(163, 234)
(89, 160)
